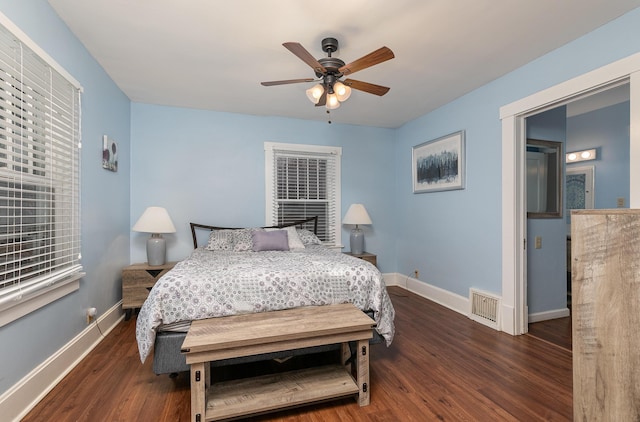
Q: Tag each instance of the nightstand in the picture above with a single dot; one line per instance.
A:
(369, 257)
(137, 281)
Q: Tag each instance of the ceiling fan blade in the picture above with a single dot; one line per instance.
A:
(323, 99)
(366, 87)
(287, 81)
(305, 56)
(380, 55)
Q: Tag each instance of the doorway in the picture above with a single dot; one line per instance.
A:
(514, 234)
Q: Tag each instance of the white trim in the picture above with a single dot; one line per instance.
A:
(11, 311)
(513, 216)
(564, 91)
(24, 38)
(634, 140)
(18, 400)
(442, 297)
(547, 315)
(321, 149)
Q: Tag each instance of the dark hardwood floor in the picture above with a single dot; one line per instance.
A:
(555, 331)
(441, 366)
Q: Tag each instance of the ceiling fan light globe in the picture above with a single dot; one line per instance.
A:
(332, 102)
(342, 91)
(314, 93)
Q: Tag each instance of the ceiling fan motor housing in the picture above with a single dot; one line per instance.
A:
(331, 64)
(329, 45)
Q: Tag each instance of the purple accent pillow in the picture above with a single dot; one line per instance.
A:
(276, 240)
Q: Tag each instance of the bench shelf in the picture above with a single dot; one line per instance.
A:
(247, 396)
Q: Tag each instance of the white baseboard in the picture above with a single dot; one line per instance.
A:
(543, 316)
(443, 297)
(18, 400)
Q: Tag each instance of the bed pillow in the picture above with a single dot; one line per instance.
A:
(275, 240)
(243, 240)
(220, 240)
(308, 238)
(292, 235)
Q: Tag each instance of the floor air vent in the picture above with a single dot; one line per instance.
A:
(485, 308)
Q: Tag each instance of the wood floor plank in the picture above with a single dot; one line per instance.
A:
(441, 366)
(556, 331)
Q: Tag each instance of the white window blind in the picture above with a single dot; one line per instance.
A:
(39, 170)
(304, 181)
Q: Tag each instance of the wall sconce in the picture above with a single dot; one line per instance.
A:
(587, 154)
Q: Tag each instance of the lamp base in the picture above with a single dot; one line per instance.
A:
(156, 250)
(356, 241)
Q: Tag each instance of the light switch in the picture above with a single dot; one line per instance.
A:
(538, 242)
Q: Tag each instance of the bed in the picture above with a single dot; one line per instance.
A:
(247, 270)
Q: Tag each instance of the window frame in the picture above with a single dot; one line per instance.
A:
(303, 149)
(15, 303)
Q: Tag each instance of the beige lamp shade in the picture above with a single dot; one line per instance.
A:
(357, 214)
(154, 220)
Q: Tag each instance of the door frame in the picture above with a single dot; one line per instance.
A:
(514, 302)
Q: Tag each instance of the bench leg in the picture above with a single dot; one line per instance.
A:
(363, 372)
(199, 379)
(346, 358)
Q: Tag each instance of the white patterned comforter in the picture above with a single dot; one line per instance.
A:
(213, 284)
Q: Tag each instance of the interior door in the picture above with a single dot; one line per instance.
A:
(579, 188)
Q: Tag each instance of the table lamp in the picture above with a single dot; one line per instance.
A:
(155, 220)
(356, 214)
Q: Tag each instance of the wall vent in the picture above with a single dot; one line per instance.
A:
(485, 308)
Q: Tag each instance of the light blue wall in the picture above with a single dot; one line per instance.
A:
(454, 238)
(27, 342)
(208, 167)
(607, 130)
(547, 266)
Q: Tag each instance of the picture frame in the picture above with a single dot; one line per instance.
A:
(439, 164)
(109, 154)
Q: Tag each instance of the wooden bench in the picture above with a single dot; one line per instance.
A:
(253, 334)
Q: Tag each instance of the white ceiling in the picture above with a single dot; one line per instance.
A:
(213, 54)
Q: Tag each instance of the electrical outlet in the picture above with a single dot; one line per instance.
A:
(538, 243)
(416, 273)
(91, 314)
(620, 202)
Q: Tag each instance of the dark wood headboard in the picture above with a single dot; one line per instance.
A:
(313, 221)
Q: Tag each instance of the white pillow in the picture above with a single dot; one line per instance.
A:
(220, 240)
(292, 234)
(308, 238)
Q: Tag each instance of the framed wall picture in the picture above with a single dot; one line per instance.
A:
(109, 154)
(439, 165)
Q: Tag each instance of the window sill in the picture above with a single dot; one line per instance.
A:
(15, 310)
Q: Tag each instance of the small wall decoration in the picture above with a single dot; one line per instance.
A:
(109, 154)
(439, 164)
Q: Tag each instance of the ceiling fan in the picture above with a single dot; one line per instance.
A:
(330, 91)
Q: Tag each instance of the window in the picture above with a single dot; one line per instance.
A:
(39, 171)
(304, 181)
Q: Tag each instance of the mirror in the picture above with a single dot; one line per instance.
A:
(544, 179)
